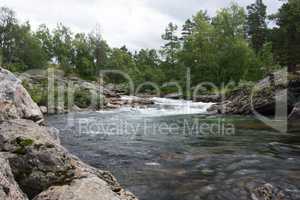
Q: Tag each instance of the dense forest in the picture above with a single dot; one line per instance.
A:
(236, 44)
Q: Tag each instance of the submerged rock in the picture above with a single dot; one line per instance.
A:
(268, 192)
(15, 102)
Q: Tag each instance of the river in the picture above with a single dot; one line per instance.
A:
(173, 150)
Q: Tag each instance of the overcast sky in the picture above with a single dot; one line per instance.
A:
(136, 23)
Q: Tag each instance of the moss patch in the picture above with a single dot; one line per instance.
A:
(22, 145)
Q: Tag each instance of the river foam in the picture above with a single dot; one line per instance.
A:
(165, 107)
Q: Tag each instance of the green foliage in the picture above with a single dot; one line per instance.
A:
(148, 64)
(230, 46)
(22, 145)
(217, 51)
(29, 50)
(62, 47)
(21, 50)
(84, 98)
(230, 22)
(44, 36)
(99, 49)
(25, 142)
(256, 24)
(170, 49)
(82, 56)
(267, 60)
(187, 29)
(286, 38)
(8, 24)
(38, 92)
(122, 59)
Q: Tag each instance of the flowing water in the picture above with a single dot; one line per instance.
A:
(174, 151)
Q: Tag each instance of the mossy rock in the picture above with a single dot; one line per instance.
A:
(22, 145)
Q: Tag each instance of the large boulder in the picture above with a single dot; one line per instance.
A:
(15, 102)
(9, 189)
(37, 160)
(295, 114)
(47, 171)
(261, 98)
(80, 189)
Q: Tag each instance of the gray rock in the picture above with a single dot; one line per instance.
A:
(268, 191)
(9, 190)
(80, 189)
(86, 188)
(260, 98)
(39, 162)
(295, 115)
(115, 103)
(15, 102)
(44, 109)
(76, 109)
(208, 98)
(174, 96)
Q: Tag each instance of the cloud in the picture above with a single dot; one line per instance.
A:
(136, 23)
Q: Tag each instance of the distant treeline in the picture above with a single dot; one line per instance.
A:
(236, 44)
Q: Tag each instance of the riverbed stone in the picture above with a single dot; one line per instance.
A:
(268, 191)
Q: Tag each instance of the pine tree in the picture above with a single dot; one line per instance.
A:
(100, 48)
(256, 24)
(170, 48)
(187, 29)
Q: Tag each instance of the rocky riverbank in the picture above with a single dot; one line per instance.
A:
(33, 164)
(263, 97)
(84, 95)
